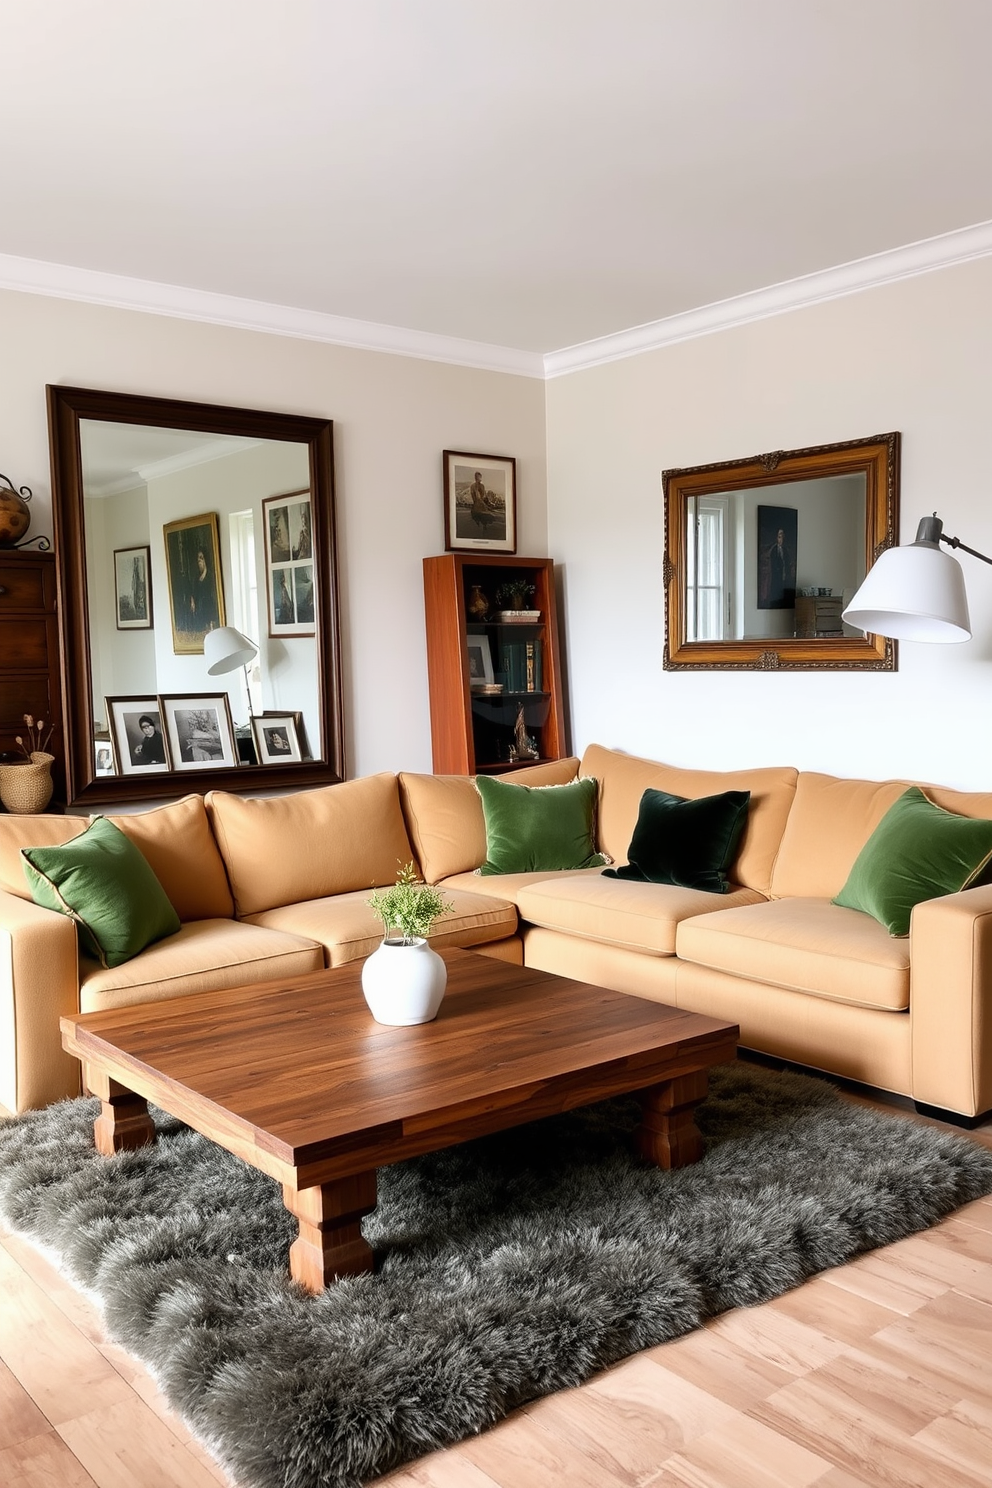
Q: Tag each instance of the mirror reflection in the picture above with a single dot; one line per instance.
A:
(774, 561)
(190, 535)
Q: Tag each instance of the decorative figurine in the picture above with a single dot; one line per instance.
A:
(525, 745)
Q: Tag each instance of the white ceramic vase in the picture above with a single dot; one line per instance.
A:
(404, 983)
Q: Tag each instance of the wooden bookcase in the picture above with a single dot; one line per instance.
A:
(472, 731)
(30, 677)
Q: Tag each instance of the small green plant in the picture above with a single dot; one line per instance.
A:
(408, 906)
(515, 594)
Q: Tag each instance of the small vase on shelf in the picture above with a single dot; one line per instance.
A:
(477, 607)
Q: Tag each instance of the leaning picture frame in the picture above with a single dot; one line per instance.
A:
(133, 588)
(195, 580)
(137, 737)
(277, 740)
(287, 526)
(480, 661)
(199, 730)
(480, 502)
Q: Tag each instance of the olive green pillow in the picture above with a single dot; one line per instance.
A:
(103, 883)
(539, 828)
(918, 851)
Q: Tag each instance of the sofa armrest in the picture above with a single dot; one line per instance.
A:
(950, 1001)
(39, 983)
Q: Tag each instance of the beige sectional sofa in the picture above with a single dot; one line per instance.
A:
(277, 886)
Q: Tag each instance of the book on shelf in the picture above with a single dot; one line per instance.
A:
(523, 665)
(519, 617)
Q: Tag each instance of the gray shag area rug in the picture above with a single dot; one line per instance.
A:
(510, 1267)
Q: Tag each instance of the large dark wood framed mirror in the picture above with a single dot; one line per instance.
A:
(763, 554)
(173, 519)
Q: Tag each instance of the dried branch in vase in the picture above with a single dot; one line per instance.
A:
(37, 740)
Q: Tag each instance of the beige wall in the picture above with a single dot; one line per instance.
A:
(914, 356)
(392, 417)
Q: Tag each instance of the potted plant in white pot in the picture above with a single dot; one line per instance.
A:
(404, 980)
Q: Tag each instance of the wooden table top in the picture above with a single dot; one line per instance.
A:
(298, 1069)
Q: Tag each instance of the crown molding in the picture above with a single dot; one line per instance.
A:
(793, 294)
(91, 286)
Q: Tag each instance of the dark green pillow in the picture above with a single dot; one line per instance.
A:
(918, 851)
(688, 843)
(539, 828)
(102, 881)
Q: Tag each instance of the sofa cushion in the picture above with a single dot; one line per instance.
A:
(202, 956)
(348, 930)
(638, 916)
(624, 778)
(445, 820)
(508, 886)
(803, 945)
(918, 851)
(104, 884)
(530, 828)
(688, 843)
(310, 844)
(832, 820)
(175, 839)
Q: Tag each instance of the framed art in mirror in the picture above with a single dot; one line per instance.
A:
(763, 554)
(189, 491)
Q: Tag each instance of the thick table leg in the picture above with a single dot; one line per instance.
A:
(124, 1122)
(668, 1134)
(330, 1243)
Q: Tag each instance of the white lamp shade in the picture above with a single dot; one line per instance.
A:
(226, 649)
(915, 593)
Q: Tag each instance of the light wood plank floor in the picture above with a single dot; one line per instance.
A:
(877, 1373)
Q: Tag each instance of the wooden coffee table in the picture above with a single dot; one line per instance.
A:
(296, 1078)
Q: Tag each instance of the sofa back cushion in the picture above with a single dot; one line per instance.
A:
(832, 820)
(175, 839)
(445, 819)
(289, 849)
(623, 779)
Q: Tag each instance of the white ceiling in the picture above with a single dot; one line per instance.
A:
(526, 173)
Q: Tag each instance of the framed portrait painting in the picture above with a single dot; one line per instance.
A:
(277, 739)
(133, 588)
(137, 738)
(196, 585)
(778, 540)
(289, 567)
(199, 730)
(480, 503)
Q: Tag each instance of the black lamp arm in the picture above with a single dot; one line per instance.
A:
(931, 532)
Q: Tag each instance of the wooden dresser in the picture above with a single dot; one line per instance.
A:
(30, 678)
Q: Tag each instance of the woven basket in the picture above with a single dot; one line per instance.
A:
(27, 789)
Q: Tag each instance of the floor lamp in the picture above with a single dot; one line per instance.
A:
(225, 650)
(916, 592)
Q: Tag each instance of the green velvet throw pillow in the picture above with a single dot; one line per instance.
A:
(688, 843)
(102, 881)
(539, 828)
(918, 851)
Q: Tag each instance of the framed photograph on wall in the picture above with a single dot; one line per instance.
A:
(289, 567)
(778, 540)
(480, 503)
(133, 588)
(199, 730)
(137, 737)
(480, 662)
(196, 585)
(277, 740)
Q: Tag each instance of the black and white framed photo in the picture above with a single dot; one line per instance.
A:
(480, 662)
(480, 502)
(137, 737)
(277, 738)
(103, 753)
(199, 730)
(133, 588)
(289, 567)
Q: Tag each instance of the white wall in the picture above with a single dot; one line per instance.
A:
(392, 417)
(914, 356)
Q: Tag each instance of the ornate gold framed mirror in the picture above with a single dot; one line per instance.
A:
(763, 554)
(173, 520)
